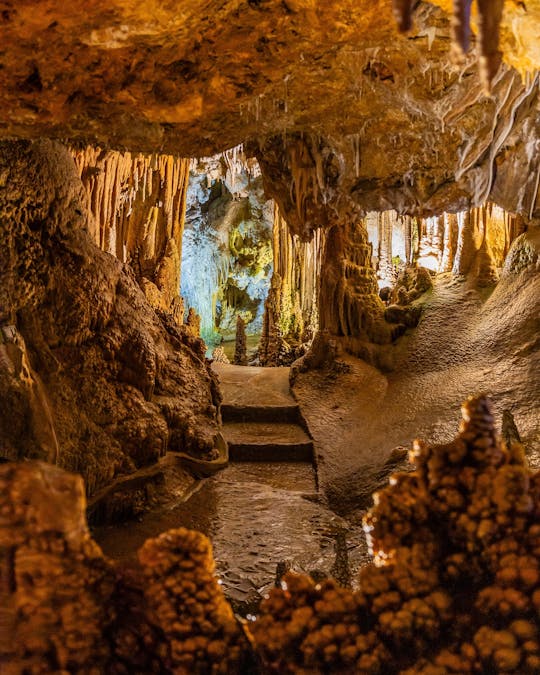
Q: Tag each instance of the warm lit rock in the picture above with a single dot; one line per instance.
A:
(93, 379)
(454, 584)
(138, 205)
(419, 134)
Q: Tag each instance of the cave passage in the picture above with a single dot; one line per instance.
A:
(270, 337)
(226, 261)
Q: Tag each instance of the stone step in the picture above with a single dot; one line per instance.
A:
(267, 442)
(289, 414)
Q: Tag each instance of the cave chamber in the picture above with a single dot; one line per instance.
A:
(343, 200)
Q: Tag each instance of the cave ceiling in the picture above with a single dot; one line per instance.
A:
(409, 127)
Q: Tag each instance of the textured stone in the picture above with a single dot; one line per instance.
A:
(418, 133)
(93, 379)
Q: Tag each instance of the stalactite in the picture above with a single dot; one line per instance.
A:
(461, 24)
(291, 311)
(138, 205)
(490, 14)
(403, 14)
(489, 21)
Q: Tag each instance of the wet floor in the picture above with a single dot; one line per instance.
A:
(257, 515)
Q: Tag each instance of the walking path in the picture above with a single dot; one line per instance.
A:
(261, 420)
(263, 509)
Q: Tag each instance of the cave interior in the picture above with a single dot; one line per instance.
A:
(251, 251)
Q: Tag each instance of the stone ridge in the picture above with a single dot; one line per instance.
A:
(407, 122)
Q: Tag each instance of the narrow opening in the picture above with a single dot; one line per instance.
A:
(227, 249)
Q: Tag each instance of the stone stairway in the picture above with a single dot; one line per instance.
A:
(261, 420)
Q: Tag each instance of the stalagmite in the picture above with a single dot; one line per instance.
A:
(193, 323)
(385, 268)
(349, 305)
(240, 349)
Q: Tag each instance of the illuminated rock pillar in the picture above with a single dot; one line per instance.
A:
(138, 204)
(349, 304)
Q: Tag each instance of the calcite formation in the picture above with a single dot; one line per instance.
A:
(291, 309)
(472, 243)
(187, 604)
(138, 205)
(66, 608)
(240, 347)
(418, 133)
(93, 379)
(56, 586)
(454, 586)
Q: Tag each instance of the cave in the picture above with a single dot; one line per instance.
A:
(270, 337)
(227, 249)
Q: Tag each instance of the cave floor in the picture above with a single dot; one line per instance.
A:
(262, 514)
(257, 515)
(469, 341)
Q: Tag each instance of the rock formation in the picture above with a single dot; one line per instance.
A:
(64, 606)
(396, 140)
(240, 348)
(291, 310)
(93, 379)
(454, 586)
(138, 204)
(419, 133)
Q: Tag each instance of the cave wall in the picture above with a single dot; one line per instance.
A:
(138, 205)
(92, 378)
(227, 246)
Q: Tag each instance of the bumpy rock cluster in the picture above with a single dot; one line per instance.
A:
(65, 608)
(55, 584)
(411, 283)
(454, 587)
(455, 584)
(188, 605)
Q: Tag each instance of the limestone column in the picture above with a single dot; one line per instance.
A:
(451, 229)
(349, 304)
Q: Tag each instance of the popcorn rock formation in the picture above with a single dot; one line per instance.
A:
(454, 587)
(65, 608)
(187, 604)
